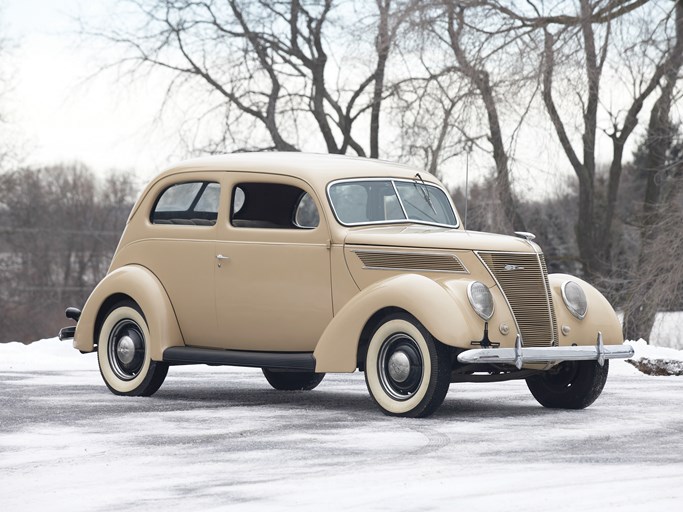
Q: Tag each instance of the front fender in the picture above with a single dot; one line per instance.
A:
(445, 314)
(143, 287)
(600, 315)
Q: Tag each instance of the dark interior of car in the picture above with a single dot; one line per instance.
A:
(255, 205)
(265, 205)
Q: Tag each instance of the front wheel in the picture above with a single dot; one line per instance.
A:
(569, 385)
(285, 380)
(406, 370)
(123, 353)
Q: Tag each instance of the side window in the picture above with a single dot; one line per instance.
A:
(306, 214)
(208, 201)
(272, 206)
(177, 197)
(191, 204)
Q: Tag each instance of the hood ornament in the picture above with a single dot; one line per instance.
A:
(526, 235)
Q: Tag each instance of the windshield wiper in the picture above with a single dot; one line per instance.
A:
(425, 192)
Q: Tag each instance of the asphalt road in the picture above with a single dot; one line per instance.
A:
(221, 438)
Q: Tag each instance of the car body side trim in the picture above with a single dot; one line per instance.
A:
(301, 361)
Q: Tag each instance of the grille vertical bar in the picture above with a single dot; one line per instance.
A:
(553, 318)
(523, 278)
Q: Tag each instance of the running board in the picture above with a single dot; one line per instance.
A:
(301, 361)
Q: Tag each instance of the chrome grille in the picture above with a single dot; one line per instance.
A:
(523, 278)
(410, 261)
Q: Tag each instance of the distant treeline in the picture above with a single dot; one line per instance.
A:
(59, 227)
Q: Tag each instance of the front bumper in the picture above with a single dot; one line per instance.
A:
(519, 356)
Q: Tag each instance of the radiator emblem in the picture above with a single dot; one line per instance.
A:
(509, 267)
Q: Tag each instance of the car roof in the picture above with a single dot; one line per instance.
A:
(317, 169)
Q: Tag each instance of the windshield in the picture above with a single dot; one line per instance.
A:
(384, 201)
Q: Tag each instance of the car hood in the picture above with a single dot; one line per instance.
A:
(432, 237)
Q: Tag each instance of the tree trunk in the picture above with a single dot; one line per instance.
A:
(640, 311)
(382, 44)
(480, 79)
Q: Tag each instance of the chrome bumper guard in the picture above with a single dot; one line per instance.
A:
(519, 356)
(67, 333)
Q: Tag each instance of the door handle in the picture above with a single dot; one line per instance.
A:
(221, 259)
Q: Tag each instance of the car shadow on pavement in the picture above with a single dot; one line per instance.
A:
(350, 402)
(346, 395)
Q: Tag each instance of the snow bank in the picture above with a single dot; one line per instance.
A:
(643, 350)
(653, 360)
(44, 355)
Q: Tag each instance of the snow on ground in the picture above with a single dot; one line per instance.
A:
(221, 438)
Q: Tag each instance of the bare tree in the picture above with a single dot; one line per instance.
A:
(477, 73)
(658, 272)
(473, 90)
(656, 280)
(269, 68)
(588, 31)
(434, 108)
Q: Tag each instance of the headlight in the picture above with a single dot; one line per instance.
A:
(574, 299)
(480, 299)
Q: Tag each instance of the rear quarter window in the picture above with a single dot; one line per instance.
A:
(193, 203)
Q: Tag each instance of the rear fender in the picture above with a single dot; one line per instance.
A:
(146, 290)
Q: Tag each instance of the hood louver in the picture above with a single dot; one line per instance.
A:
(425, 262)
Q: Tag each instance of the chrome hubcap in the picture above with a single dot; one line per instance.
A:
(126, 349)
(399, 365)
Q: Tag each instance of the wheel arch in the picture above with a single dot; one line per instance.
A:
(369, 328)
(108, 303)
(341, 346)
(139, 284)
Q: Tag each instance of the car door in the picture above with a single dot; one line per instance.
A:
(182, 229)
(273, 269)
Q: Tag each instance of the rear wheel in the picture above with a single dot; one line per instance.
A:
(569, 385)
(285, 380)
(123, 352)
(406, 370)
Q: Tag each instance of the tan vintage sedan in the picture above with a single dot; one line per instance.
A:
(303, 264)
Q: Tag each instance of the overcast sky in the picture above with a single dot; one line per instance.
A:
(57, 113)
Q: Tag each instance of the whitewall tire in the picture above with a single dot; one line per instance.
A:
(406, 370)
(123, 352)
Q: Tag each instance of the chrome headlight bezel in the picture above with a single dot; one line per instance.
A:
(478, 309)
(575, 309)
